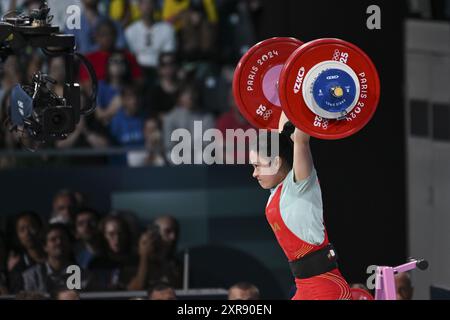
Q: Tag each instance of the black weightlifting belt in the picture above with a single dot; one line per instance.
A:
(315, 263)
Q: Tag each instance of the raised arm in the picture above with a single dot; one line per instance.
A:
(303, 162)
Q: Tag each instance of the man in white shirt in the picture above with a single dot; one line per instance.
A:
(147, 39)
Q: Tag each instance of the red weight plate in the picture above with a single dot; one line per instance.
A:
(255, 82)
(360, 294)
(296, 69)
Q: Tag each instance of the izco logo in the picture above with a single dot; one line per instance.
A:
(299, 80)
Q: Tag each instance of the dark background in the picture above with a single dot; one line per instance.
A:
(363, 176)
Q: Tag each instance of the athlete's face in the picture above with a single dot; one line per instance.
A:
(264, 171)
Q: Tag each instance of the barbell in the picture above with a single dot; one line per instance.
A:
(328, 88)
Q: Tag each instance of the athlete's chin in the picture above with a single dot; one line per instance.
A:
(264, 185)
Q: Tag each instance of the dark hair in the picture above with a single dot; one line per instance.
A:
(123, 223)
(57, 226)
(34, 216)
(127, 76)
(106, 22)
(247, 286)
(193, 89)
(130, 89)
(263, 144)
(83, 210)
(158, 286)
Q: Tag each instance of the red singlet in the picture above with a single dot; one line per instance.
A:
(327, 286)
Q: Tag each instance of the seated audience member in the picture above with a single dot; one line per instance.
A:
(89, 242)
(52, 274)
(243, 291)
(65, 294)
(29, 250)
(64, 206)
(161, 291)
(105, 37)
(405, 290)
(114, 270)
(128, 123)
(89, 20)
(118, 76)
(153, 155)
(186, 115)
(157, 255)
(163, 97)
(147, 39)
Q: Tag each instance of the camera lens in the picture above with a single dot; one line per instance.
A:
(57, 119)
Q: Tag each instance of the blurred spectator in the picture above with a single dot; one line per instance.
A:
(65, 294)
(64, 206)
(162, 98)
(117, 236)
(404, 286)
(161, 291)
(243, 291)
(118, 75)
(28, 246)
(147, 39)
(198, 33)
(115, 270)
(128, 123)
(89, 132)
(157, 255)
(106, 38)
(30, 295)
(183, 116)
(153, 155)
(89, 21)
(89, 241)
(51, 275)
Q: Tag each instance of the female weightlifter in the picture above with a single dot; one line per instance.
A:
(294, 211)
